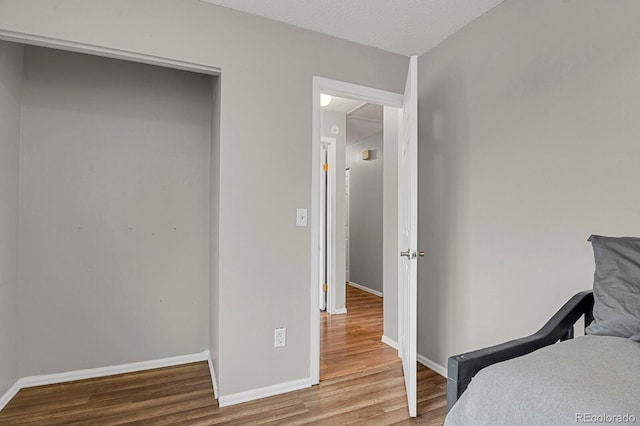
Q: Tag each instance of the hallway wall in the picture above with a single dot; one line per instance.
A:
(365, 212)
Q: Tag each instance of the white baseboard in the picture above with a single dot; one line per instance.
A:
(363, 288)
(388, 341)
(8, 395)
(432, 365)
(250, 395)
(49, 379)
(212, 371)
(339, 311)
(421, 358)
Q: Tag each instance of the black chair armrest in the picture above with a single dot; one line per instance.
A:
(461, 368)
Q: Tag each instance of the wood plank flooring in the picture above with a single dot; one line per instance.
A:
(351, 343)
(369, 391)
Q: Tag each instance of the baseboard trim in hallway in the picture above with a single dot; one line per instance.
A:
(363, 288)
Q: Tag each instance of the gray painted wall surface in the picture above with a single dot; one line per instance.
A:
(365, 208)
(390, 253)
(114, 212)
(214, 213)
(11, 56)
(528, 144)
(265, 165)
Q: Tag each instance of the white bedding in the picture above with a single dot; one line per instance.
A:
(587, 380)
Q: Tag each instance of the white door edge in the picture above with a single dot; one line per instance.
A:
(330, 260)
(408, 235)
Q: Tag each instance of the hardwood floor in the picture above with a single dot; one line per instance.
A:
(351, 343)
(367, 391)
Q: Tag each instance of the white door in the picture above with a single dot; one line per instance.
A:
(328, 219)
(347, 189)
(324, 264)
(408, 233)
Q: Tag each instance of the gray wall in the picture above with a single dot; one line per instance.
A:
(365, 213)
(265, 167)
(528, 144)
(11, 56)
(214, 220)
(114, 212)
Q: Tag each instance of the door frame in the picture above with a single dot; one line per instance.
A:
(32, 39)
(351, 91)
(109, 52)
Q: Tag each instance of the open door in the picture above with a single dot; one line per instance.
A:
(324, 261)
(328, 219)
(347, 246)
(408, 234)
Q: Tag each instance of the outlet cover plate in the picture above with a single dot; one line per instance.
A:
(280, 337)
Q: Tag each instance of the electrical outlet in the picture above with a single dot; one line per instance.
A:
(280, 337)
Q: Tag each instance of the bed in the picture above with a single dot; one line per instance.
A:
(552, 378)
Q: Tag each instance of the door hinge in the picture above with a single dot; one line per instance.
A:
(324, 287)
(325, 167)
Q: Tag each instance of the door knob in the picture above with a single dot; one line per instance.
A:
(405, 253)
(421, 253)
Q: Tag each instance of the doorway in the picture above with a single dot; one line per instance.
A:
(353, 131)
(336, 293)
(405, 106)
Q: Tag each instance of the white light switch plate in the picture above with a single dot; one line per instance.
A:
(301, 217)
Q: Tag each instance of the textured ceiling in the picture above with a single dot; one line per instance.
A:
(407, 27)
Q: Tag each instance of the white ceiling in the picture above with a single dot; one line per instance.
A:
(407, 27)
(363, 119)
(359, 129)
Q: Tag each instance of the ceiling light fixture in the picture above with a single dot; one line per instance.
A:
(325, 99)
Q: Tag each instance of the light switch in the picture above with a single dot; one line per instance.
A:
(301, 217)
